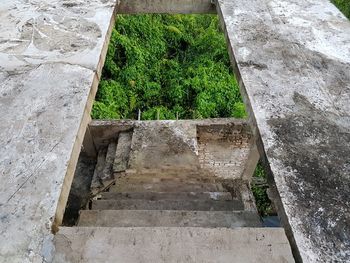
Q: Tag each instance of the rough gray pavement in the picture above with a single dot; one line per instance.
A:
(293, 59)
(50, 60)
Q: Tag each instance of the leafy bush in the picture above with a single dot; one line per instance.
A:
(167, 65)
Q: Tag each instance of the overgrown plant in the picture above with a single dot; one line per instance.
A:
(170, 66)
(167, 66)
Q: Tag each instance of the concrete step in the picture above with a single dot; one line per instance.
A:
(165, 186)
(223, 196)
(167, 218)
(176, 244)
(170, 173)
(155, 178)
(107, 174)
(96, 178)
(122, 153)
(103, 174)
(188, 205)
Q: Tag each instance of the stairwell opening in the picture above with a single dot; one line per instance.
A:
(167, 67)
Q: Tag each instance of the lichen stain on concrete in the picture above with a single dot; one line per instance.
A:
(335, 74)
(307, 136)
(54, 33)
(37, 32)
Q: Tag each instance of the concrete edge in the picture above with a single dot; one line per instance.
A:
(86, 119)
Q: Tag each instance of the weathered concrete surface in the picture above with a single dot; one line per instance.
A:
(123, 151)
(293, 58)
(172, 186)
(168, 218)
(132, 245)
(79, 194)
(166, 6)
(104, 131)
(172, 204)
(51, 53)
(216, 147)
(217, 196)
(96, 183)
(204, 150)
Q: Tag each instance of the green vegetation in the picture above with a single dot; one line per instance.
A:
(169, 65)
(344, 6)
(166, 65)
(263, 203)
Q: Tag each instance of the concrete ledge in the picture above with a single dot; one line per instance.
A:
(209, 143)
(166, 6)
(292, 58)
(103, 131)
(51, 56)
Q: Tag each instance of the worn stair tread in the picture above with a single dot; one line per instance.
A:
(122, 153)
(168, 218)
(154, 178)
(107, 173)
(96, 178)
(170, 173)
(174, 244)
(188, 205)
(223, 196)
(165, 186)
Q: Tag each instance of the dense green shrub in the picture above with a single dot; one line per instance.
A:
(344, 6)
(169, 65)
(166, 65)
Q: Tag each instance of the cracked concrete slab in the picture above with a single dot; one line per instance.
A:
(51, 53)
(293, 59)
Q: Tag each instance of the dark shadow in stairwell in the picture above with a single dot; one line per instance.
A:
(79, 195)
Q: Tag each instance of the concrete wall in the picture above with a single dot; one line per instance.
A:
(164, 6)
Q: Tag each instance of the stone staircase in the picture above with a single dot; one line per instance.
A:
(157, 196)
